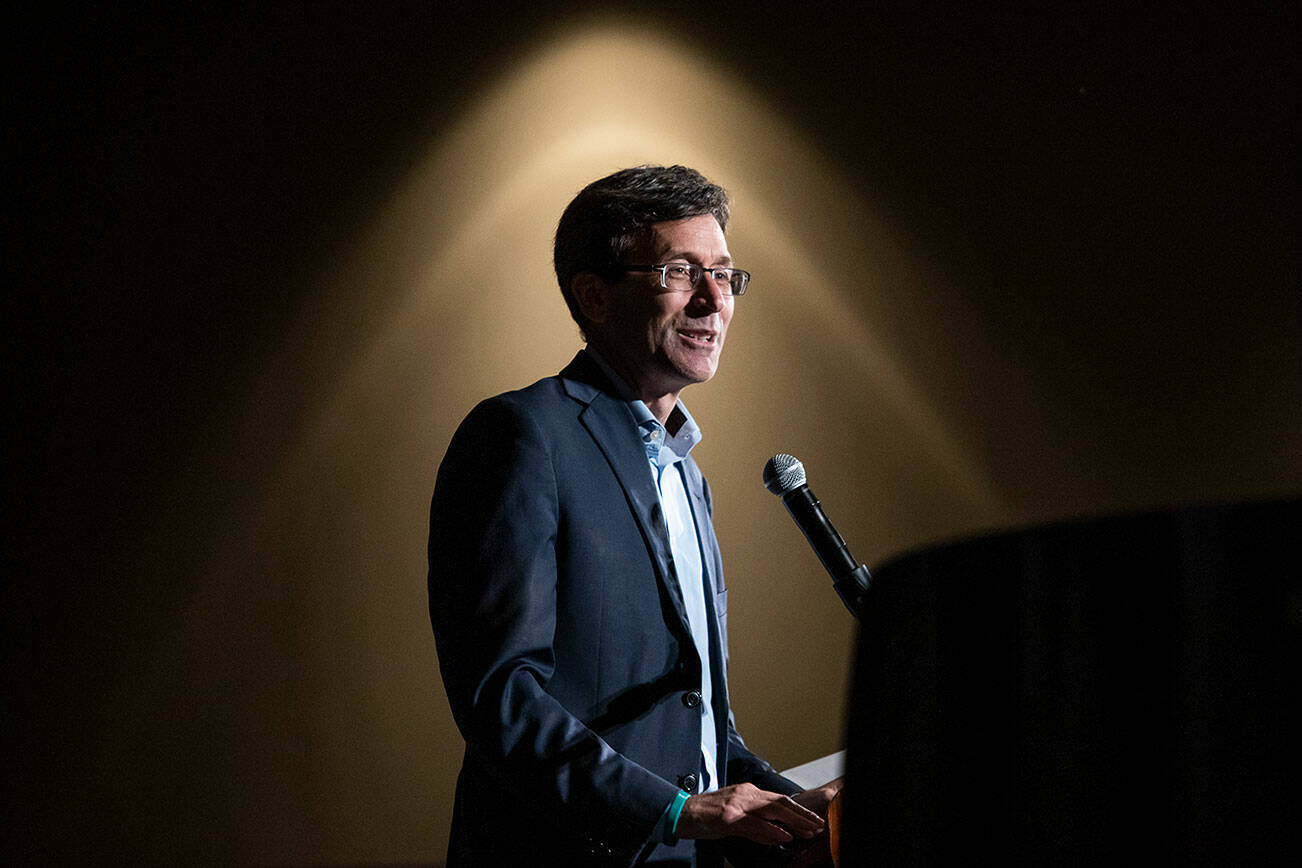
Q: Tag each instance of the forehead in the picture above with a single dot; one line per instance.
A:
(698, 237)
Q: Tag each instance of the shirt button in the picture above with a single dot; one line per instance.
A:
(692, 699)
(688, 782)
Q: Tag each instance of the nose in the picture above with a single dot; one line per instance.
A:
(710, 296)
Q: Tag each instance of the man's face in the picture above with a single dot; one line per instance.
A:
(662, 339)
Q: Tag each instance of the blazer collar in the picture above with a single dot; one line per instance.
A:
(584, 380)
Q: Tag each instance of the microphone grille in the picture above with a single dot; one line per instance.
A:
(783, 473)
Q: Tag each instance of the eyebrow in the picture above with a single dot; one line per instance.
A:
(725, 262)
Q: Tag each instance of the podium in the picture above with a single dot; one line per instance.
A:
(1118, 690)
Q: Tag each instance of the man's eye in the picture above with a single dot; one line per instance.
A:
(680, 271)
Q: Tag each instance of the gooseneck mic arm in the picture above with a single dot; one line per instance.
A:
(784, 475)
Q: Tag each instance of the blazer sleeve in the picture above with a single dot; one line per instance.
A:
(746, 767)
(492, 596)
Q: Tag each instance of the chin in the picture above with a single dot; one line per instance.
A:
(697, 374)
(689, 370)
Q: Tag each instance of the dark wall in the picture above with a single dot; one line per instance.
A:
(1114, 193)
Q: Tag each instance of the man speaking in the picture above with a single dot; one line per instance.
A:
(576, 587)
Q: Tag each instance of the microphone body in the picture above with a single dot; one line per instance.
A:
(784, 475)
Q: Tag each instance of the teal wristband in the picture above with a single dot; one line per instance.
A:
(675, 811)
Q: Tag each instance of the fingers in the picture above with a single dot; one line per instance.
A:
(779, 822)
(749, 812)
(795, 817)
(817, 800)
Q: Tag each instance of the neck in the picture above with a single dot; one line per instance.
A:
(658, 400)
(661, 408)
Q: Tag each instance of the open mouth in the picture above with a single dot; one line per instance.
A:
(705, 338)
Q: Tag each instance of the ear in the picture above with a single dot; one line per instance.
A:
(591, 294)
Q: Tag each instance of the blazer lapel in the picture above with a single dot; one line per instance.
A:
(704, 528)
(613, 428)
(714, 586)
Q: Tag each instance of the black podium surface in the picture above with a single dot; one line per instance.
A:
(1118, 690)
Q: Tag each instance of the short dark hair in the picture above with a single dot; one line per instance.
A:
(612, 215)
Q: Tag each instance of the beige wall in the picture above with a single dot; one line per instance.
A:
(257, 681)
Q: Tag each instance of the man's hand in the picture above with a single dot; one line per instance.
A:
(746, 811)
(819, 798)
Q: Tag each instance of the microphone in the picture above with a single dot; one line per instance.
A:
(784, 475)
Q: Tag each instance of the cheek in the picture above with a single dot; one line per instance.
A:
(662, 319)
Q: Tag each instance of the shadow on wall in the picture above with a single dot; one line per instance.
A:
(281, 701)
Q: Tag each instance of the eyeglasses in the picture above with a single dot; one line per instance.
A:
(685, 277)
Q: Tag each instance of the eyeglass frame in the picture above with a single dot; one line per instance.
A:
(663, 268)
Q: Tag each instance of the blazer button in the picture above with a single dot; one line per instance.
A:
(692, 698)
(688, 782)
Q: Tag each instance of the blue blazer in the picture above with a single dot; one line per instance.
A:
(562, 637)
